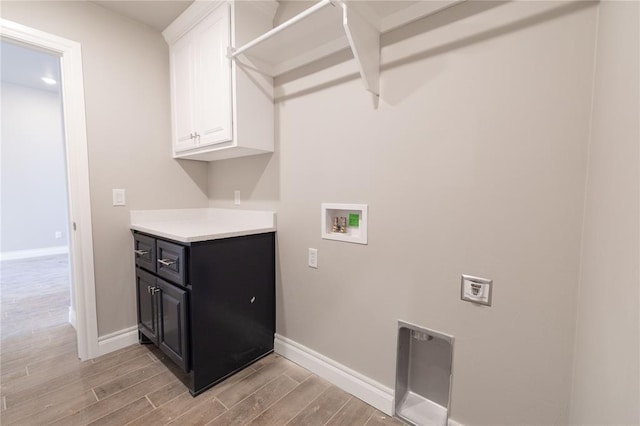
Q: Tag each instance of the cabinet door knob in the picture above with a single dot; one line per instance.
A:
(166, 262)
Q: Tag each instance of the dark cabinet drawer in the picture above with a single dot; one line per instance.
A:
(171, 262)
(145, 251)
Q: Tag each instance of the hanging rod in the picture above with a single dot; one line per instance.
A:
(266, 36)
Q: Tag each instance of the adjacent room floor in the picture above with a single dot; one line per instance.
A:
(43, 382)
(34, 295)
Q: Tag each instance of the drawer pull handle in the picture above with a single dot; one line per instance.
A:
(166, 262)
(141, 252)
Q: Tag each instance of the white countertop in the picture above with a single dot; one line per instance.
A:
(192, 225)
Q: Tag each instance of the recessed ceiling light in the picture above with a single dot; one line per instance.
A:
(49, 80)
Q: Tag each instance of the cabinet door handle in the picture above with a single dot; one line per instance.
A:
(166, 262)
(154, 290)
(149, 289)
(141, 252)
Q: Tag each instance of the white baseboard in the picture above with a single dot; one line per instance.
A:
(72, 317)
(26, 254)
(118, 340)
(360, 386)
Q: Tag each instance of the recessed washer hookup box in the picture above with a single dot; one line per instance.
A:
(423, 375)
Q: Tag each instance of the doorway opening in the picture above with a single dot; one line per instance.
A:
(35, 280)
(78, 225)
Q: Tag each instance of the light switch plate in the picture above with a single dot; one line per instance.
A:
(119, 197)
(476, 290)
(313, 258)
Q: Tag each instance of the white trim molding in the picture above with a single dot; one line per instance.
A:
(360, 386)
(27, 254)
(77, 159)
(120, 339)
(72, 317)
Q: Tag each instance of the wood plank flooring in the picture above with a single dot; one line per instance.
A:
(43, 382)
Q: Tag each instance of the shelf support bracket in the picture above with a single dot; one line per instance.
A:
(364, 39)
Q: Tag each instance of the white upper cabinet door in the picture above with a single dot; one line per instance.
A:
(213, 94)
(182, 91)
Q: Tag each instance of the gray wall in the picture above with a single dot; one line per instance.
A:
(33, 171)
(126, 81)
(474, 163)
(606, 388)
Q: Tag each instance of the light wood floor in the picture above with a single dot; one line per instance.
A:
(43, 382)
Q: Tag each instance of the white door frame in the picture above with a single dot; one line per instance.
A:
(75, 136)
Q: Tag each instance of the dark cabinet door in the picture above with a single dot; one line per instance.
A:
(147, 306)
(173, 338)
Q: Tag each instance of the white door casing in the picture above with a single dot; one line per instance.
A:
(75, 135)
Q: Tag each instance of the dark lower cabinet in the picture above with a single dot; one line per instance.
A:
(208, 307)
(163, 316)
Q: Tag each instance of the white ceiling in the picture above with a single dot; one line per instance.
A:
(26, 66)
(155, 13)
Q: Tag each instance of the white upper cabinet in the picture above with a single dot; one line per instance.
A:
(214, 100)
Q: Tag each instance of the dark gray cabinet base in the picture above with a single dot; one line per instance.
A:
(228, 303)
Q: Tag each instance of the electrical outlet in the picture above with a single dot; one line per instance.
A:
(236, 197)
(476, 290)
(313, 258)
